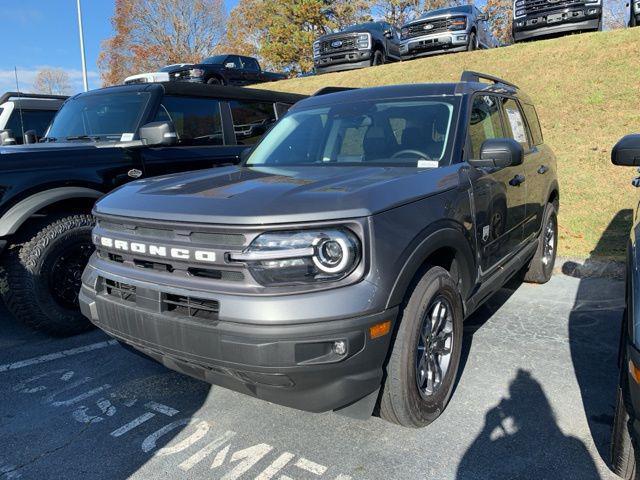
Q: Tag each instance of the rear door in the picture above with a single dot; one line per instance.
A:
(499, 201)
(205, 136)
(233, 70)
(251, 70)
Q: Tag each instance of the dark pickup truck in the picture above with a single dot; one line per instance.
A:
(333, 269)
(216, 70)
(543, 18)
(98, 141)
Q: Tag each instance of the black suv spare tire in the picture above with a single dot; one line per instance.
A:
(41, 278)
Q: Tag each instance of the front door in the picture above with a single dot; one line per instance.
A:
(202, 140)
(499, 193)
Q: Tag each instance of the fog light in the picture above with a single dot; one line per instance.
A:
(592, 11)
(340, 347)
(461, 37)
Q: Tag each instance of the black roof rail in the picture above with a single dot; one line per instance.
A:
(469, 76)
(328, 90)
(6, 96)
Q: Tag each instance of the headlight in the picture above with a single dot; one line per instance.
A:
(404, 33)
(459, 23)
(302, 257)
(363, 40)
(196, 72)
(520, 3)
(316, 49)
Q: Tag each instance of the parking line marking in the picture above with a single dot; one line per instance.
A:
(163, 409)
(201, 454)
(55, 356)
(132, 424)
(82, 396)
(310, 466)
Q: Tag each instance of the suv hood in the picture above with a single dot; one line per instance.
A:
(272, 195)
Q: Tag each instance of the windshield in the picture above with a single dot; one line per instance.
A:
(363, 26)
(413, 133)
(442, 11)
(100, 116)
(215, 60)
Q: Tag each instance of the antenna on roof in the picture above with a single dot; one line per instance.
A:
(15, 71)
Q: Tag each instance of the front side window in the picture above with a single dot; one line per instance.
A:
(104, 116)
(411, 133)
(485, 122)
(196, 120)
(515, 121)
(251, 120)
(233, 61)
(250, 64)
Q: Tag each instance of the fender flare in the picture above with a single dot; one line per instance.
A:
(444, 237)
(13, 219)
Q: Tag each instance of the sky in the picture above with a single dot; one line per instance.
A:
(44, 33)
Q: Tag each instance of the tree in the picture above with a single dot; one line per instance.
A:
(398, 12)
(500, 19)
(153, 33)
(52, 81)
(614, 14)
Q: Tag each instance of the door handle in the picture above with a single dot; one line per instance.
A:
(517, 180)
(543, 169)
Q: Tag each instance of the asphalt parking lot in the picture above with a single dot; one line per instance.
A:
(535, 400)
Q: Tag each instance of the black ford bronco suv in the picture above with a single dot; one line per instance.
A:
(333, 269)
(357, 46)
(98, 141)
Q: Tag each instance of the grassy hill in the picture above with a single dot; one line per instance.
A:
(587, 92)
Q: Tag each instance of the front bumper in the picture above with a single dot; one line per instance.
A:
(338, 62)
(292, 364)
(583, 18)
(426, 45)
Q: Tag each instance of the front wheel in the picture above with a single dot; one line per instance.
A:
(425, 356)
(40, 279)
(540, 268)
(473, 42)
(378, 58)
(215, 81)
(623, 460)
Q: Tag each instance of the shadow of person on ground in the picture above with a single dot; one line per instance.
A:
(521, 439)
(594, 328)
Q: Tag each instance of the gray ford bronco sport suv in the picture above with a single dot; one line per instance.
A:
(333, 269)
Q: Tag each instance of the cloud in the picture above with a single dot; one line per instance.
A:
(26, 76)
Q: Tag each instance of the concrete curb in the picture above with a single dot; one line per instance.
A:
(588, 267)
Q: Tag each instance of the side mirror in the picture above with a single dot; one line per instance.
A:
(483, 17)
(499, 153)
(6, 137)
(627, 151)
(158, 134)
(30, 136)
(388, 33)
(229, 65)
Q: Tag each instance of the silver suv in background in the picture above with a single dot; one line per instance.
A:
(454, 29)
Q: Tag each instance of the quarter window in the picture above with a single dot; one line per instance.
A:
(485, 122)
(197, 120)
(516, 123)
(251, 120)
(534, 123)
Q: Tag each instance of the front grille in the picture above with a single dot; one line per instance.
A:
(348, 43)
(119, 290)
(423, 28)
(191, 307)
(537, 6)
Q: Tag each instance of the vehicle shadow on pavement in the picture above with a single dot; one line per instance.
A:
(101, 413)
(521, 434)
(594, 334)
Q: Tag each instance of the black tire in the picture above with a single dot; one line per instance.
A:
(401, 401)
(473, 42)
(623, 459)
(40, 278)
(377, 59)
(633, 22)
(215, 81)
(540, 268)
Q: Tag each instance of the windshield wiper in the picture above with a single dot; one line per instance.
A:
(83, 137)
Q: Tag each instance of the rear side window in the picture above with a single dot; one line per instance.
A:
(534, 124)
(485, 122)
(197, 120)
(516, 123)
(251, 120)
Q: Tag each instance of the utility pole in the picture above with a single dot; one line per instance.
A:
(84, 62)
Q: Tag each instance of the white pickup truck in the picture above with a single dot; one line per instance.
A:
(21, 113)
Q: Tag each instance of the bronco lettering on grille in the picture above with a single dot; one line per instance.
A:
(158, 250)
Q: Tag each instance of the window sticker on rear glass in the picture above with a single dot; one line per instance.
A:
(517, 125)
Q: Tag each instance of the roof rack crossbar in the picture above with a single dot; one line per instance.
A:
(21, 95)
(328, 90)
(469, 76)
